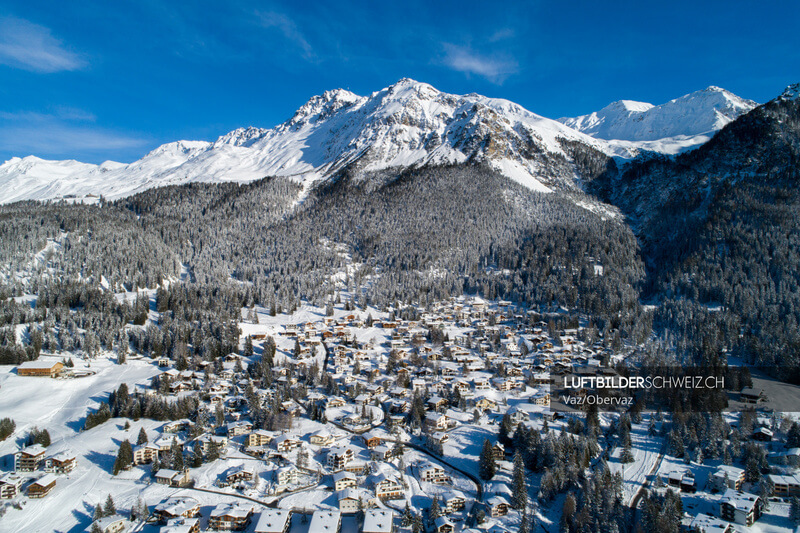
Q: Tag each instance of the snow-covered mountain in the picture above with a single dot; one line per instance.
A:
(405, 125)
(668, 128)
(408, 124)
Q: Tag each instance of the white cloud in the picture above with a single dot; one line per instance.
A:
(289, 30)
(29, 46)
(493, 68)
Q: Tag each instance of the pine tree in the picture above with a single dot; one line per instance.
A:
(407, 516)
(568, 513)
(416, 524)
(110, 508)
(143, 512)
(435, 510)
(506, 429)
(627, 454)
(176, 451)
(142, 438)
(98, 512)
(7, 427)
(524, 526)
(96, 528)
(519, 498)
(751, 470)
(794, 510)
(124, 457)
(219, 415)
(486, 463)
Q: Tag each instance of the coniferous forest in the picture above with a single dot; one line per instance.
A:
(708, 236)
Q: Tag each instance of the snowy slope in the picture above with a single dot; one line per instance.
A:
(407, 124)
(683, 122)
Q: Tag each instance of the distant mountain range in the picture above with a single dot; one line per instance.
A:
(406, 125)
(678, 124)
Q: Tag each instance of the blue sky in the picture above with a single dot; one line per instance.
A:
(112, 80)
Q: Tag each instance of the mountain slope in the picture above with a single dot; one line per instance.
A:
(718, 228)
(409, 124)
(678, 124)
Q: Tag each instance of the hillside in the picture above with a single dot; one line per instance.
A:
(718, 229)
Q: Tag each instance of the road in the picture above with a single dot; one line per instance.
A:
(634, 504)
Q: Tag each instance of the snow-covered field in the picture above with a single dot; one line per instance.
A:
(646, 450)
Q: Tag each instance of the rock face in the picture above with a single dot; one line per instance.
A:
(409, 124)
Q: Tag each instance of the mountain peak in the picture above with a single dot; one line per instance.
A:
(322, 106)
(792, 92)
(698, 114)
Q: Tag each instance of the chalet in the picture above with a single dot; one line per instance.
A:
(504, 384)
(173, 478)
(287, 475)
(740, 507)
(322, 438)
(61, 463)
(485, 404)
(286, 443)
(274, 521)
(339, 457)
(378, 521)
(10, 485)
(518, 416)
(165, 443)
(182, 525)
(498, 451)
(145, 453)
(481, 384)
(541, 378)
(542, 398)
(241, 473)
(231, 517)
(432, 473)
(344, 480)
(750, 395)
(111, 524)
(436, 403)
(784, 486)
(348, 501)
(177, 507)
(462, 386)
(440, 437)
(356, 467)
(683, 481)
(42, 486)
(40, 368)
(726, 477)
(177, 426)
(443, 525)
(241, 427)
(498, 506)
(259, 437)
(388, 487)
(381, 453)
(371, 440)
(708, 524)
(326, 522)
(436, 421)
(29, 459)
(453, 503)
(762, 434)
(688, 483)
